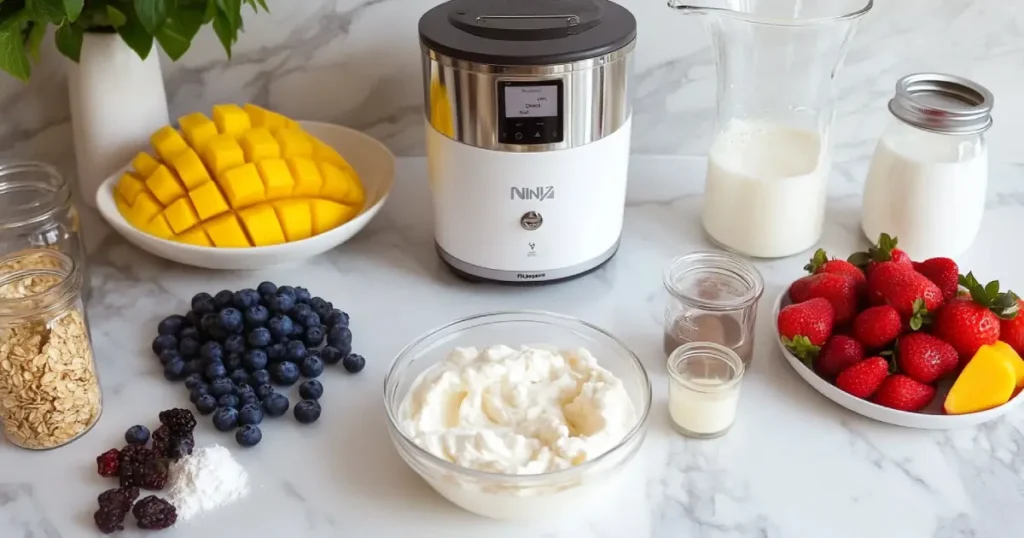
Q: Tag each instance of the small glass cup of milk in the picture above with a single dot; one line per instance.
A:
(704, 389)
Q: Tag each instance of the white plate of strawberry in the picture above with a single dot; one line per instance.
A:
(887, 337)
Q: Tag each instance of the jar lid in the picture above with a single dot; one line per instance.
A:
(945, 104)
(30, 192)
(527, 32)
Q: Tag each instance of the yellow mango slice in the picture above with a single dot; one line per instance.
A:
(144, 209)
(231, 119)
(1018, 363)
(341, 186)
(181, 215)
(243, 186)
(223, 153)
(226, 232)
(328, 215)
(130, 186)
(277, 178)
(262, 224)
(323, 152)
(294, 143)
(197, 129)
(159, 227)
(295, 217)
(167, 142)
(307, 177)
(196, 236)
(123, 207)
(208, 201)
(190, 169)
(258, 144)
(986, 382)
(164, 185)
(145, 164)
(261, 117)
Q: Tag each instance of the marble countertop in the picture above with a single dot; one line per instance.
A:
(795, 465)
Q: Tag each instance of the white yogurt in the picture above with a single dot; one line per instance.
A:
(765, 189)
(703, 413)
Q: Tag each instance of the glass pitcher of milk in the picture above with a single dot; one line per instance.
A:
(769, 162)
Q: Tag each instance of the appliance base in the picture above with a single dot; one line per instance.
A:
(475, 273)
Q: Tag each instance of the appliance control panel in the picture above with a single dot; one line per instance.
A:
(531, 112)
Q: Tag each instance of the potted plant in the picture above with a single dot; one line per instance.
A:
(115, 85)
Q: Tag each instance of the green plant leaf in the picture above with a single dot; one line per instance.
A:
(73, 8)
(35, 37)
(992, 288)
(13, 58)
(232, 9)
(152, 13)
(176, 35)
(135, 35)
(211, 10)
(222, 27)
(116, 17)
(69, 41)
(46, 10)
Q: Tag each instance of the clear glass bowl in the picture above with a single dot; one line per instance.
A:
(519, 497)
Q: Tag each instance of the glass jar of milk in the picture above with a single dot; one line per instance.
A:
(927, 181)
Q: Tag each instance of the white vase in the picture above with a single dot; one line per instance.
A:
(117, 101)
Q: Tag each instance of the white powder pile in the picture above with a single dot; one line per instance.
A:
(208, 479)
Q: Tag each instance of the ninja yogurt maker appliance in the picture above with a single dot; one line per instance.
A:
(528, 125)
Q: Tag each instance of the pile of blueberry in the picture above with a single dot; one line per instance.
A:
(233, 347)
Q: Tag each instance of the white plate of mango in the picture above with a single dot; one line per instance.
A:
(247, 188)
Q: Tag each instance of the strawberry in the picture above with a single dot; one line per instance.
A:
(924, 357)
(821, 264)
(883, 251)
(877, 327)
(839, 290)
(800, 289)
(806, 326)
(864, 378)
(971, 321)
(943, 272)
(900, 287)
(838, 354)
(1011, 331)
(903, 393)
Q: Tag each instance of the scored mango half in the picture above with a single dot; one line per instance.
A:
(242, 177)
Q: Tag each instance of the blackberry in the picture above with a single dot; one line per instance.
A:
(193, 380)
(161, 440)
(275, 404)
(239, 376)
(179, 421)
(170, 325)
(354, 363)
(108, 463)
(114, 507)
(284, 373)
(132, 467)
(154, 513)
(151, 475)
(311, 390)
(341, 338)
(250, 414)
(205, 404)
(169, 355)
(137, 435)
(331, 355)
(248, 435)
(164, 342)
(225, 419)
(312, 367)
(263, 391)
(266, 288)
(224, 299)
(228, 400)
(307, 411)
(119, 494)
(302, 295)
(234, 343)
(180, 447)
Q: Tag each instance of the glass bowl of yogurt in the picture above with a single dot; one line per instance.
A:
(526, 416)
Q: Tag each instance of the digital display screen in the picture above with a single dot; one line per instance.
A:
(531, 101)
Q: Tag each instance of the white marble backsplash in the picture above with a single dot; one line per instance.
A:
(356, 62)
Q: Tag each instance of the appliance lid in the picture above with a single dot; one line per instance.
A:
(527, 32)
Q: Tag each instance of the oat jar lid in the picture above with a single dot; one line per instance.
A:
(945, 104)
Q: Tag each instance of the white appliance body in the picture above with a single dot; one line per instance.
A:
(482, 198)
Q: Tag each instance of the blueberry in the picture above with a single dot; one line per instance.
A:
(211, 351)
(256, 315)
(174, 370)
(321, 307)
(331, 355)
(244, 388)
(259, 377)
(223, 299)
(205, 404)
(266, 288)
(284, 373)
(302, 295)
(259, 338)
(215, 370)
(314, 336)
(198, 392)
(286, 290)
(275, 404)
(280, 326)
(337, 318)
(191, 322)
(170, 325)
(231, 320)
(281, 303)
(229, 400)
(307, 411)
(298, 330)
(137, 435)
(250, 414)
(276, 353)
(250, 398)
(264, 391)
(239, 376)
(194, 366)
(341, 338)
(295, 351)
(234, 343)
(203, 303)
(301, 311)
(309, 319)
(248, 435)
(311, 390)
(193, 380)
(354, 363)
(233, 362)
(222, 386)
(164, 342)
(312, 367)
(169, 355)
(210, 323)
(225, 419)
(254, 359)
(189, 332)
(245, 298)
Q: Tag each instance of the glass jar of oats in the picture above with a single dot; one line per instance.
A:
(49, 391)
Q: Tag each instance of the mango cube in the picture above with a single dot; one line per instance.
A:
(261, 117)
(306, 176)
(226, 232)
(341, 186)
(168, 142)
(145, 164)
(231, 120)
(258, 144)
(1015, 359)
(322, 152)
(986, 382)
(296, 218)
(190, 169)
(262, 224)
(159, 227)
(123, 207)
(198, 129)
(164, 185)
(144, 209)
(294, 143)
(223, 153)
(243, 186)
(208, 201)
(196, 236)
(129, 187)
(328, 215)
(277, 178)
(181, 215)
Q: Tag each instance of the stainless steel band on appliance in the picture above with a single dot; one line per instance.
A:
(463, 99)
(526, 276)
